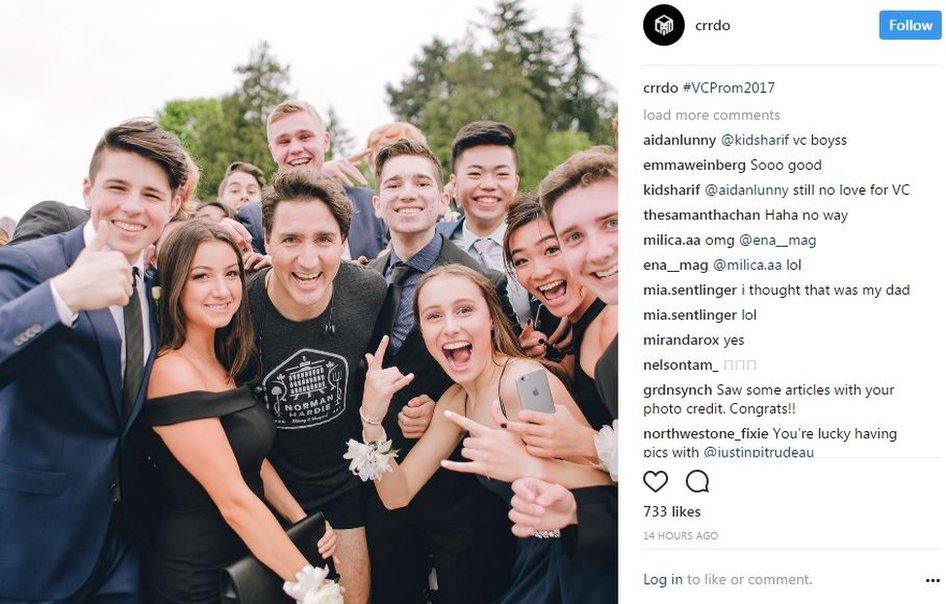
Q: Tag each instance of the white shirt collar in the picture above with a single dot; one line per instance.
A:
(469, 237)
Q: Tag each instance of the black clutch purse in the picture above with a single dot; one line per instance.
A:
(249, 581)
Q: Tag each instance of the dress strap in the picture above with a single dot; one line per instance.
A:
(499, 388)
(499, 392)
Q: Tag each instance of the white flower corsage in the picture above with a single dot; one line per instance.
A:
(606, 444)
(370, 460)
(311, 587)
(155, 302)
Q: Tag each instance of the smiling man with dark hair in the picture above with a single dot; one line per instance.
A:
(485, 179)
(313, 314)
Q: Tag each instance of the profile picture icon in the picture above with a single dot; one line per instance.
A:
(664, 25)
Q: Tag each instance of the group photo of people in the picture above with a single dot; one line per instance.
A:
(383, 376)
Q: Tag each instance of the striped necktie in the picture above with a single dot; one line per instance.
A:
(402, 312)
(134, 348)
(483, 247)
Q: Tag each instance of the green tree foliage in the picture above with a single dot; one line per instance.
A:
(585, 102)
(232, 127)
(263, 84)
(527, 51)
(188, 118)
(426, 83)
(535, 79)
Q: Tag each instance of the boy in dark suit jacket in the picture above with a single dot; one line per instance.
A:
(485, 180)
(76, 344)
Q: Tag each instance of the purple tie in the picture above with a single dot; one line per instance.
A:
(482, 247)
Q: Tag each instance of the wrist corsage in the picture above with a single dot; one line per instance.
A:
(606, 444)
(311, 587)
(370, 460)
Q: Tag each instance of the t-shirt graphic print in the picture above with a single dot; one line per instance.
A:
(307, 389)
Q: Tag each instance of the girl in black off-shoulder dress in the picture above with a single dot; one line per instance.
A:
(194, 541)
(212, 436)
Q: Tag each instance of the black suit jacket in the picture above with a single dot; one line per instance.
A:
(588, 567)
(597, 520)
(47, 218)
(606, 377)
(367, 235)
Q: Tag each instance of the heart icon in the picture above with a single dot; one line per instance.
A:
(655, 480)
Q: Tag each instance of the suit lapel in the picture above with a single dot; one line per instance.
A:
(387, 314)
(110, 347)
(451, 253)
(411, 342)
(102, 323)
(379, 263)
(413, 338)
(143, 390)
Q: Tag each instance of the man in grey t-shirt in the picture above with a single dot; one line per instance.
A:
(313, 315)
(311, 382)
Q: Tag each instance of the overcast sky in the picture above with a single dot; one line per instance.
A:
(69, 70)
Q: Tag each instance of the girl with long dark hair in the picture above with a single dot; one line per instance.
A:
(213, 434)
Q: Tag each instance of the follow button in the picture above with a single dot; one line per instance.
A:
(911, 25)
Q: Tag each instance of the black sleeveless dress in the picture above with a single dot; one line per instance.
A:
(535, 568)
(585, 390)
(194, 542)
(545, 570)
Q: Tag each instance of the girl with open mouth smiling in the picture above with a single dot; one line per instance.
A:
(465, 330)
(533, 253)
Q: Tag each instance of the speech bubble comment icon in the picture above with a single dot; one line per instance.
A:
(698, 481)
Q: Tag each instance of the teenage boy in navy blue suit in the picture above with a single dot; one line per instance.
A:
(76, 343)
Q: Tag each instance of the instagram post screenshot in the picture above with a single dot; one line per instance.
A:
(781, 216)
(309, 302)
(318, 303)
